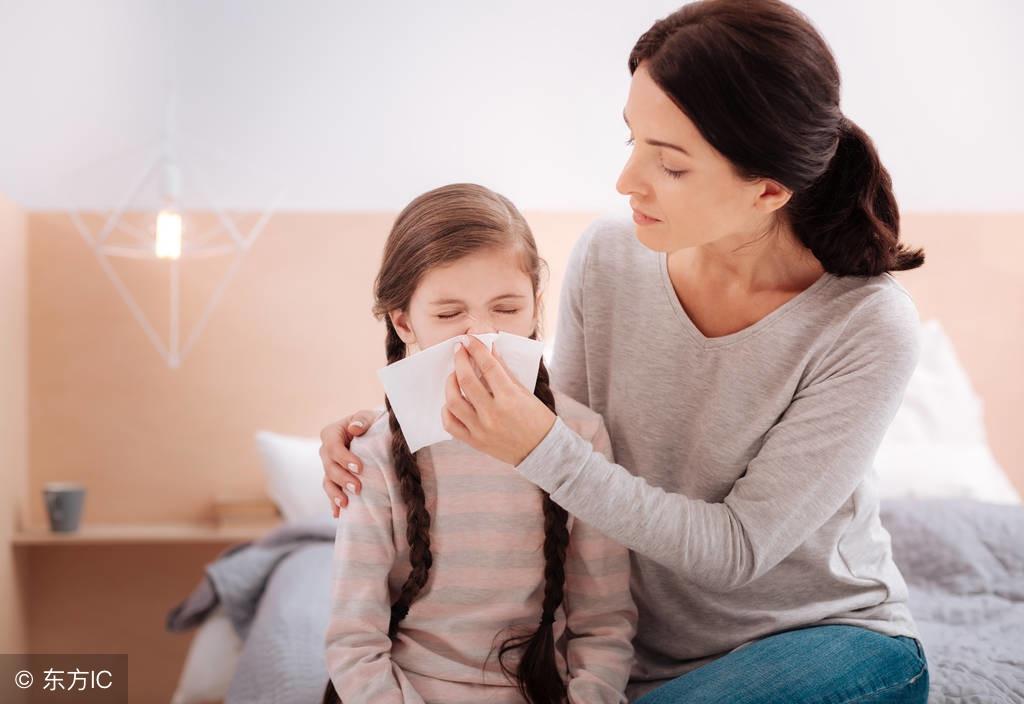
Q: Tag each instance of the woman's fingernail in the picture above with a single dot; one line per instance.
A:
(353, 467)
(357, 424)
(351, 488)
(337, 502)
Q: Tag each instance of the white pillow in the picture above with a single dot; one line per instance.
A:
(211, 662)
(943, 470)
(936, 445)
(294, 475)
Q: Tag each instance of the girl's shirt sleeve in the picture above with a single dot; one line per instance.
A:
(600, 612)
(358, 649)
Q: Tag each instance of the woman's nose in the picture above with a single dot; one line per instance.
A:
(627, 184)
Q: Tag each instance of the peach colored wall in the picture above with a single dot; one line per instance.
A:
(973, 282)
(13, 420)
(293, 345)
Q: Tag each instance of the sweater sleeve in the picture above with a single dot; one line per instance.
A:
(600, 612)
(358, 649)
(809, 464)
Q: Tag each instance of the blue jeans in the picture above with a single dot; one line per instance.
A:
(827, 664)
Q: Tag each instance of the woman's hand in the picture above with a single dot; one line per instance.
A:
(340, 465)
(498, 416)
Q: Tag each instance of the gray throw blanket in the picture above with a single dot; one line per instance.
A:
(239, 575)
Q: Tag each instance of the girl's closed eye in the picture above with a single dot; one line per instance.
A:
(449, 316)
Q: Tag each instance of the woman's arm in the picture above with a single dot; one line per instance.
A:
(600, 612)
(358, 649)
(809, 464)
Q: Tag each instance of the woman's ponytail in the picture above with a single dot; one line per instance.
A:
(849, 218)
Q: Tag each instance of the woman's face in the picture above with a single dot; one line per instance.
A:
(480, 293)
(686, 188)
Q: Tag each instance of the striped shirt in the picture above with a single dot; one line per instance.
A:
(486, 582)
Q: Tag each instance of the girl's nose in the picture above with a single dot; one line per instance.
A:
(480, 327)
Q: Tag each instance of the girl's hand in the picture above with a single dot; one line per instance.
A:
(340, 465)
(498, 416)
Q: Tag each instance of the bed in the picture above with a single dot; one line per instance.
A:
(957, 527)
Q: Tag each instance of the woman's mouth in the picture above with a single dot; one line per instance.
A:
(641, 219)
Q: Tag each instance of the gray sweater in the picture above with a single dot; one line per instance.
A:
(744, 485)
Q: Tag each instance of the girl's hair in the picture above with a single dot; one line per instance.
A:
(438, 228)
(762, 87)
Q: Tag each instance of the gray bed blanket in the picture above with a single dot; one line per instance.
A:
(963, 562)
(964, 565)
(276, 593)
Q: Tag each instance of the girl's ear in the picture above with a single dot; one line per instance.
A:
(400, 319)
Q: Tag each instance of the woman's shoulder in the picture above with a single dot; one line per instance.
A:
(879, 302)
(608, 242)
(611, 233)
(869, 319)
(582, 419)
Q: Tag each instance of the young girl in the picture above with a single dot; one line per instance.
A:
(446, 555)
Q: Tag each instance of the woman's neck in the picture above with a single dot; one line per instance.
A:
(745, 264)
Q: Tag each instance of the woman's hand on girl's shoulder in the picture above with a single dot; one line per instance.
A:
(341, 467)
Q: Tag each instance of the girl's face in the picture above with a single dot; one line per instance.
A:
(480, 293)
(689, 192)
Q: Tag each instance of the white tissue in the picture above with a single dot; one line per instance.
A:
(415, 385)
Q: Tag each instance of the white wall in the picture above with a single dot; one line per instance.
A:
(364, 105)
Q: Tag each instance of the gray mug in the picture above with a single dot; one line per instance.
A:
(64, 505)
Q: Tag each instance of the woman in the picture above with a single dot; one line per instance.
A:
(748, 348)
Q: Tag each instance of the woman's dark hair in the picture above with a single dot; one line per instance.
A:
(438, 228)
(762, 87)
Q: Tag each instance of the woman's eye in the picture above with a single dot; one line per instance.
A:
(669, 172)
(447, 316)
(510, 312)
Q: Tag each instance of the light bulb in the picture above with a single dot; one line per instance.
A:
(168, 235)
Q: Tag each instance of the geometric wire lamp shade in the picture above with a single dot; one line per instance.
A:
(167, 236)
